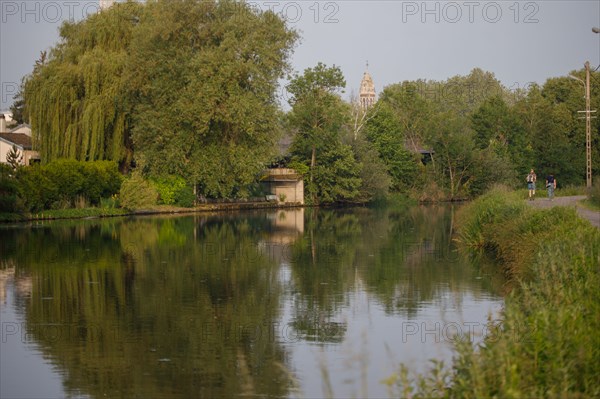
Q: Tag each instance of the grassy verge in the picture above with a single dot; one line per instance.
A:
(548, 344)
(70, 213)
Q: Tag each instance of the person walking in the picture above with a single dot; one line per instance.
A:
(531, 179)
(550, 185)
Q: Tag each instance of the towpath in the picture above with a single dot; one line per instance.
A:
(592, 216)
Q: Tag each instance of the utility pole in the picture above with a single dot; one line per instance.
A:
(588, 125)
(588, 128)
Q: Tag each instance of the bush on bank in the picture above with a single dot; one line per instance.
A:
(59, 184)
(548, 343)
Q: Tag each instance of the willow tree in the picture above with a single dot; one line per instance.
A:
(74, 96)
(204, 77)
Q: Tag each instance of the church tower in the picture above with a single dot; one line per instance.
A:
(367, 90)
(104, 4)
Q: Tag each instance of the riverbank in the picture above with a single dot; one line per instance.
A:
(83, 213)
(547, 343)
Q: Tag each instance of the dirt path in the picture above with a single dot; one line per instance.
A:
(592, 216)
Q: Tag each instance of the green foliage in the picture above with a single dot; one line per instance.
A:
(36, 189)
(191, 83)
(18, 110)
(203, 77)
(375, 181)
(389, 138)
(594, 193)
(485, 211)
(75, 96)
(318, 116)
(337, 176)
(9, 189)
(64, 182)
(173, 190)
(77, 213)
(498, 127)
(137, 193)
(553, 256)
(14, 157)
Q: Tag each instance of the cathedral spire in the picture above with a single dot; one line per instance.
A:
(367, 90)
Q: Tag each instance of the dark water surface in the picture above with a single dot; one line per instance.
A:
(272, 304)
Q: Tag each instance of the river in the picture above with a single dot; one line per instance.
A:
(286, 303)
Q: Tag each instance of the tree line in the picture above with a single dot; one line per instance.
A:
(188, 89)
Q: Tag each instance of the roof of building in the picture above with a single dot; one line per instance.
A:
(20, 139)
(21, 126)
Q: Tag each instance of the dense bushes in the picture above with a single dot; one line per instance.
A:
(59, 184)
(594, 193)
(173, 190)
(9, 189)
(137, 193)
(548, 344)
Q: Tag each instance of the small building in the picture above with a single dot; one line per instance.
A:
(415, 146)
(21, 141)
(284, 185)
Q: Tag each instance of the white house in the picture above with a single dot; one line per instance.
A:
(21, 140)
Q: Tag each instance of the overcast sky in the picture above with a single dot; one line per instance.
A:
(520, 42)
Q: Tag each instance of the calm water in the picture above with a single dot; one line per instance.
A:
(269, 303)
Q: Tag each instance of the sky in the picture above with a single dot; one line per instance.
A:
(519, 41)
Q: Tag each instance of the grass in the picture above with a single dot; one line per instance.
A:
(69, 213)
(549, 342)
(73, 213)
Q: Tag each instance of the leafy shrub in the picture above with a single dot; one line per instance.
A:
(185, 197)
(9, 189)
(101, 180)
(68, 178)
(173, 190)
(594, 193)
(66, 183)
(36, 189)
(137, 193)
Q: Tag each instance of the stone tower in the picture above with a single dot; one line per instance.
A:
(104, 4)
(367, 90)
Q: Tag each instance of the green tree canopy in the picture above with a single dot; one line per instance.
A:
(190, 84)
(74, 96)
(203, 78)
(318, 117)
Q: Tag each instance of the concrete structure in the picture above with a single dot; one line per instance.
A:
(367, 95)
(285, 184)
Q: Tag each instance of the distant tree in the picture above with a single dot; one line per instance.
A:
(14, 157)
(498, 127)
(387, 133)
(455, 152)
(319, 116)
(18, 109)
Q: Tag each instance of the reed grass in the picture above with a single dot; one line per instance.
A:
(548, 345)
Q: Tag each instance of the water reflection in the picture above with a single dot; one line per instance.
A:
(233, 304)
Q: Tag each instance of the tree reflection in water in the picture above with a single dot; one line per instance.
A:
(192, 306)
